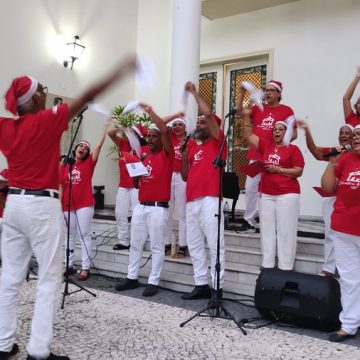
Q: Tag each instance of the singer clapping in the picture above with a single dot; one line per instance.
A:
(33, 220)
(279, 200)
(82, 200)
(324, 154)
(178, 186)
(342, 176)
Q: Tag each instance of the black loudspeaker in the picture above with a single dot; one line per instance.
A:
(302, 299)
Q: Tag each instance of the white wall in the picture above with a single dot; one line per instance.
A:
(315, 56)
(108, 30)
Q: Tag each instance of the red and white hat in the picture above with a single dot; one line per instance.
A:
(21, 90)
(140, 130)
(275, 84)
(178, 120)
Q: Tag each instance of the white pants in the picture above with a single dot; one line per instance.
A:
(148, 221)
(278, 223)
(201, 224)
(80, 224)
(177, 203)
(329, 252)
(125, 199)
(251, 198)
(31, 225)
(347, 254)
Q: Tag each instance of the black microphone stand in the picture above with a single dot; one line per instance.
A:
(71, 161)
(215, 307)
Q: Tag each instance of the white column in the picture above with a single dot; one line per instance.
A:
(185, 53)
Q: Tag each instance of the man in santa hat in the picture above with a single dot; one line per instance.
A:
(263, 122)
(33, 220)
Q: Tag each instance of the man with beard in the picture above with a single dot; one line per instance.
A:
(202, 196)
(150, 216)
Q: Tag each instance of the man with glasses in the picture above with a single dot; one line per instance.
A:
(33, 220)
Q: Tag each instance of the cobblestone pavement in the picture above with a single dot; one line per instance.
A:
(125, 326)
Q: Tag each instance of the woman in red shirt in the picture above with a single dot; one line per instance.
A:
(342, 176)
(279, 193)
(82, 201)
(352, 117)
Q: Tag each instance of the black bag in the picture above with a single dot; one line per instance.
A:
(303, 299)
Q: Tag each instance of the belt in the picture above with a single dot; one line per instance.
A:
(49, 193)
(163, 204)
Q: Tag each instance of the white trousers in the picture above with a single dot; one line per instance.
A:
(251, 198)
(329, 252)
(177, 204)
(201, 224)
(32, 225)
(125, 199)
(278, 221)
(148, 221)
(80, 226)
(347, 255)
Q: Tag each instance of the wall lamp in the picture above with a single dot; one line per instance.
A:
(74, 51)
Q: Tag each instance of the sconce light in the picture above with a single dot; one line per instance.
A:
(74, 50)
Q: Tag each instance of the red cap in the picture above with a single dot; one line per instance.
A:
(140, 130)
(275, 84)
(20, 91)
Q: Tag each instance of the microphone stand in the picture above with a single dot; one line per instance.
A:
(215, 307)
(71, 161)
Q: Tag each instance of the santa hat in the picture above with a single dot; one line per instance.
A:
(276, 84)
(21, 90)
(356, 127)
(153, 127)
(140, 130)
(83, 142)
(349, 126)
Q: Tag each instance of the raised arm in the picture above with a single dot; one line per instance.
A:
(252, 138)
(349, 93)
(113, 135)
(120, 71)
(315, 150)
(97, 149)
(204, 110)
(167, 119)
(161, 125)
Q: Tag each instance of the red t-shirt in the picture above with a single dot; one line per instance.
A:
(346, 214)
(203, 176)
(178, 155)
(156, 186)
(353, 119)
(126, 158)
(31, 146)
(82, 192)
(124, 144)
(284, 156)
(263, 123)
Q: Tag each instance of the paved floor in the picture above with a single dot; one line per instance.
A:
(125, 326)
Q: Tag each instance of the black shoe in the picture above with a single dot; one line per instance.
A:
(199, 292)
(121, 247)
(246, 228)
(50, 357)
(336, 337)
(168, 249)
(126, 284)
(4, 355)
(150, 290)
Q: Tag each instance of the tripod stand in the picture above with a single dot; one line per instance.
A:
(71, 161)
(215, 307)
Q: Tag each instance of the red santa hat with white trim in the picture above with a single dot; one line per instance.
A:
(276, 84)
(21, 90)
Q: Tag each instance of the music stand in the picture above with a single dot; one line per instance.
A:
(215, 307)
(71, 161)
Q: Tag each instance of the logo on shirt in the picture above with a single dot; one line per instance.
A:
(354, 177)
(76, 176)
(199, 155)
(268, 122)
(273, 159)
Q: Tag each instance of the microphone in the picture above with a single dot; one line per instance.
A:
(232, 112)
(81, 112)
(346, 147)
(143, 156)
(183, 146)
